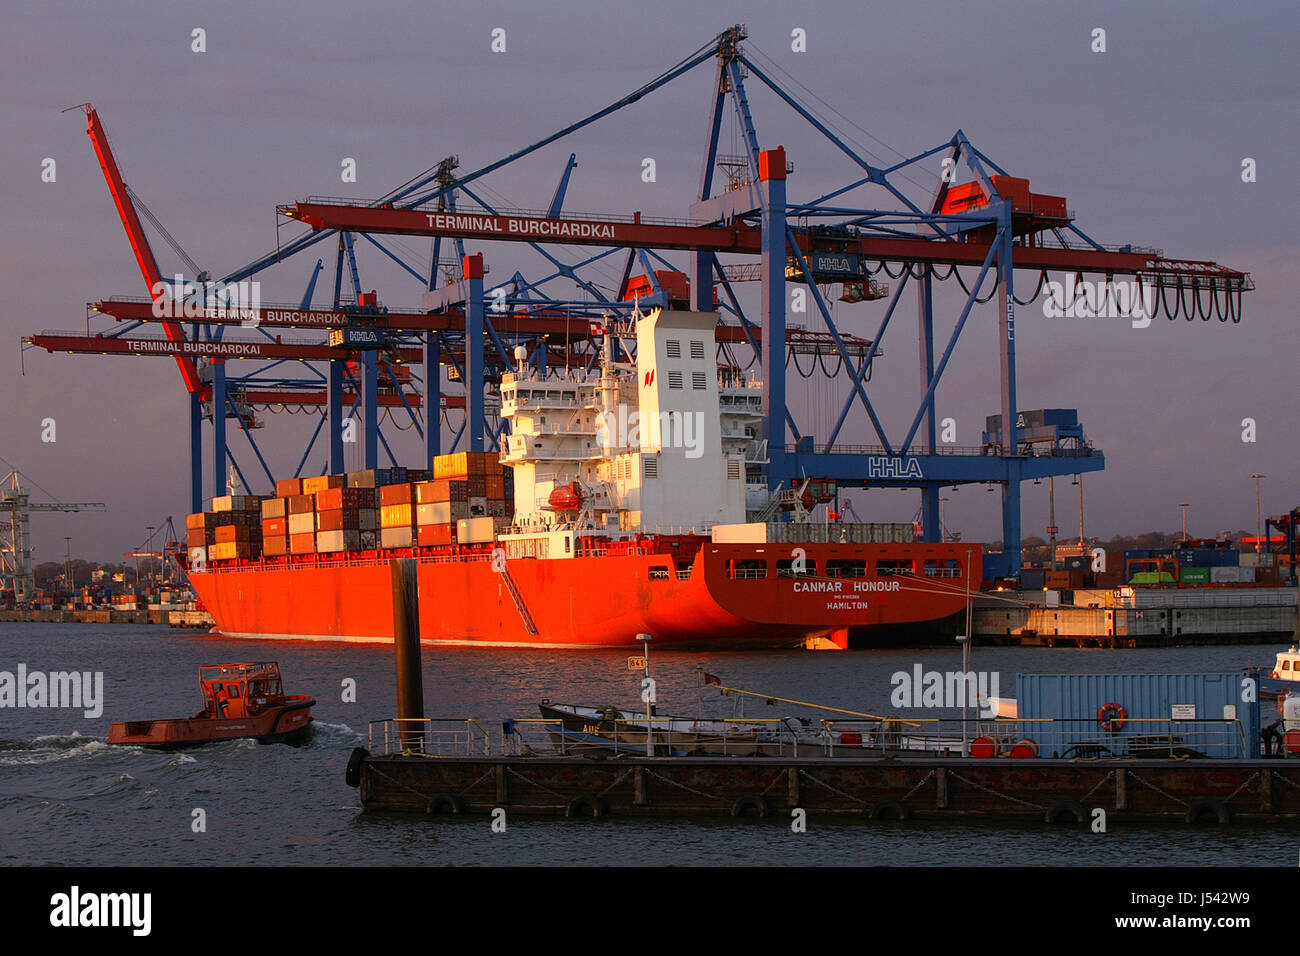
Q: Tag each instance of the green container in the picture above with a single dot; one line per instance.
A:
(1194, 575)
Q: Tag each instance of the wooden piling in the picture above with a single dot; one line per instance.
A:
(406, 652)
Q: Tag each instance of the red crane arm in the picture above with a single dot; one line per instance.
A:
(135, 234)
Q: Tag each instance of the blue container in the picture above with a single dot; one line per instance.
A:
(1033, 579)
(1137, 554)
(1202, 713)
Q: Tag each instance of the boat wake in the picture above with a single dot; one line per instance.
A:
(48, 748)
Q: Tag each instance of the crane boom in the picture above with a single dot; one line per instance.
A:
(135, 235)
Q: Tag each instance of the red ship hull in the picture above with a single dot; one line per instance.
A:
(730, 596)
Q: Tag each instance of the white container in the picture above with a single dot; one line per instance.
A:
(331, 541)
(475, 530)
(302, 523)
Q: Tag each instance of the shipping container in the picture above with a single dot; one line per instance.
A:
(232, 533)
(436, 535)
(275, 546)
(236, 503)
(344, 540)
(402, 494)
(338, 520)
(465, 463)
(275, 527)
(311, 486)
(274, 508)
(1193, 575)
(334, 499)
(304, 543)
(1033, 579)
(288, 487)
(302, 524)
(475, 530)
(302, 504)
(396, 516)
(403, 537)
(1196, 713)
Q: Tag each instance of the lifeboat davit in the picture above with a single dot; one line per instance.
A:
(566, 497)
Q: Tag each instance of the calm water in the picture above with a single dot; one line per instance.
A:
(68, 798)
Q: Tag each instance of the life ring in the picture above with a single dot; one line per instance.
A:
(1112, 717)
(353, 774)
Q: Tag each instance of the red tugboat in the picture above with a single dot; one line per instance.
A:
(239, 700)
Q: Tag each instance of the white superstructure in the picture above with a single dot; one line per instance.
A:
(666, 444)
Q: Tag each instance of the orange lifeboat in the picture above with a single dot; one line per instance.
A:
(566, 497)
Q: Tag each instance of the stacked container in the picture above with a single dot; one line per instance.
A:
(275, 527)
(345, 520)
(302, 524)
(397, 516)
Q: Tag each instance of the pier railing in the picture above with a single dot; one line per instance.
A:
(794, 737)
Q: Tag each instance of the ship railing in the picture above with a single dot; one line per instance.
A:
(429, 736)
(670, 737)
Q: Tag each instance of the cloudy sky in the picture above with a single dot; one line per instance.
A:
(1146, 140)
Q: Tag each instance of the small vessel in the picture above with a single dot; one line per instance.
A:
(608, 731)
(1285, 678)
(239, 700)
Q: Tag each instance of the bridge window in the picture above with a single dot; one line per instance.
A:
(846, 569)
(747, 570)
(786, 569)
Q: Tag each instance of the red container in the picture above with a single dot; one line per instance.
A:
(436, 535)
(228, 534)
(339, 519)
(302, 543)
(288, 487)
(276, 546)
(275, 528)
(335, 499)
(402, 494)
(429, 492)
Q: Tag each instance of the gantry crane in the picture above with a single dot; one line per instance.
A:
(17, 572)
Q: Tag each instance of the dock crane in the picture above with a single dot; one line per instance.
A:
(16, 570)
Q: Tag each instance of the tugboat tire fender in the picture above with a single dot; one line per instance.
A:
(1065, 811)
(750, 801)
(446, 803)
(891, 810)
(353, 775)
(1200, 810)
(585, 805)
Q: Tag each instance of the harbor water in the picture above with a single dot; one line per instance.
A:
(68, 798)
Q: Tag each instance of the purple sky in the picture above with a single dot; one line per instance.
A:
(1145, 141)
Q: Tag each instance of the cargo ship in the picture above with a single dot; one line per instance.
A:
(625, 500)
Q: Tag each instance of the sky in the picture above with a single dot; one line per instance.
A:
(1146, 140)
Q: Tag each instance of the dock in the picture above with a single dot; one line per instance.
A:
(1150, 617)
(1050, 791)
